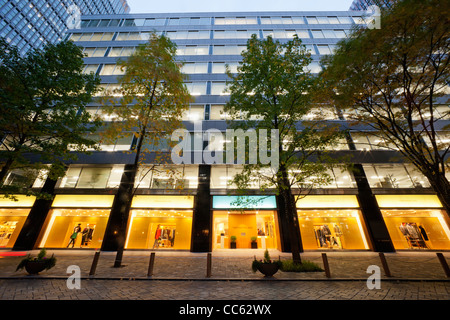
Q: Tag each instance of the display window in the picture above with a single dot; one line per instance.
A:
(249, 228)
(332, 229)
(159, 229)
(417, 228)
(11, 222)
(75, 228)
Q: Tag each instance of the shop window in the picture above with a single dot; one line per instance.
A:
(11, 222)
(417, 229)
(251, 226)
(159, 229)
(75, 228)
(332, 229)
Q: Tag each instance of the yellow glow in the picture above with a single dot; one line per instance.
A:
(23, 201)
(83, 201)
(163, 202)
(328, 201)
(408, 201)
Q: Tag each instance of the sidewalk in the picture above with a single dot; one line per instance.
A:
(228, 265)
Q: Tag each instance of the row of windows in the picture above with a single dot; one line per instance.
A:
(361, 141)
(195, 50)
(215, 34)
(187, 68)
(196, 21)
(378, 175)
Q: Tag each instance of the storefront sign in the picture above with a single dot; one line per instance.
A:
(83, 201)
(240, 202)
(163, 202)
(408, 201)
(328, 201)
(22, 201)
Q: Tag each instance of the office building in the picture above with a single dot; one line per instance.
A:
(30, 24)
(342, 215)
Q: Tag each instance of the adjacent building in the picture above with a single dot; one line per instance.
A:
(365, 4)
(30, 24)
(387, 206)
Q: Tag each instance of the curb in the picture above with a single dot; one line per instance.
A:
(221, 279)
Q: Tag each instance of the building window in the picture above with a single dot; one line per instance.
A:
(228, 50)
(94, 52)
(234, 34)
(192, 50)
(235, 20)
(121, 51)
(194, 67)
(112, 69)
(196, 88)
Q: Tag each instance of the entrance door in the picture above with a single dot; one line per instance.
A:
(243, 226)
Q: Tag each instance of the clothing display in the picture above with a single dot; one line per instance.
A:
(414, 234)
(73, 236)
(164, 237)
(87, 233)
(326, 239)
(6, 230)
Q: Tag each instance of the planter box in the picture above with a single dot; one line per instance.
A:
(232, 245)
(268, 269)
(34, 267)
(254, 245)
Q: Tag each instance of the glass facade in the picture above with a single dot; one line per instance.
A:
(30, 24)
(164, 212)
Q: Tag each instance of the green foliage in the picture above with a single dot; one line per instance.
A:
(256, 263)
(49, 262)
(153, 97)
(272, 90)
(233, 238)
(392, 79)
(305, 266)
(43, 98)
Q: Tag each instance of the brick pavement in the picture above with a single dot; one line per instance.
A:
(232, 264)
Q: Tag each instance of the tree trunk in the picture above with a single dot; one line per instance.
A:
(441, 186)
(5, 169)
(125, 197)
(290, 213)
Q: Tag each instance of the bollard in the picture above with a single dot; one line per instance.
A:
(385, 265)
(94, 263)
(151, 264)
(208, 265)
(443, 264)
(325, 265)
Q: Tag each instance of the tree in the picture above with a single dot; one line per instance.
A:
(271, 93)
(153, 98)
(43, 96)
(392, 80)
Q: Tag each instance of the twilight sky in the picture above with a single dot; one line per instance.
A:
(175, 6)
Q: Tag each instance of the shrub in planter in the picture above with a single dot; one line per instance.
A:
(233, 242)
(254, 244)
(37, 264)
(267, 266)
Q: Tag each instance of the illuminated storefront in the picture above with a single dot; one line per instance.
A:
(331, 222)
(12, 218)
(77, 221)
(415, 221)
(252, 224)
(160, 222)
